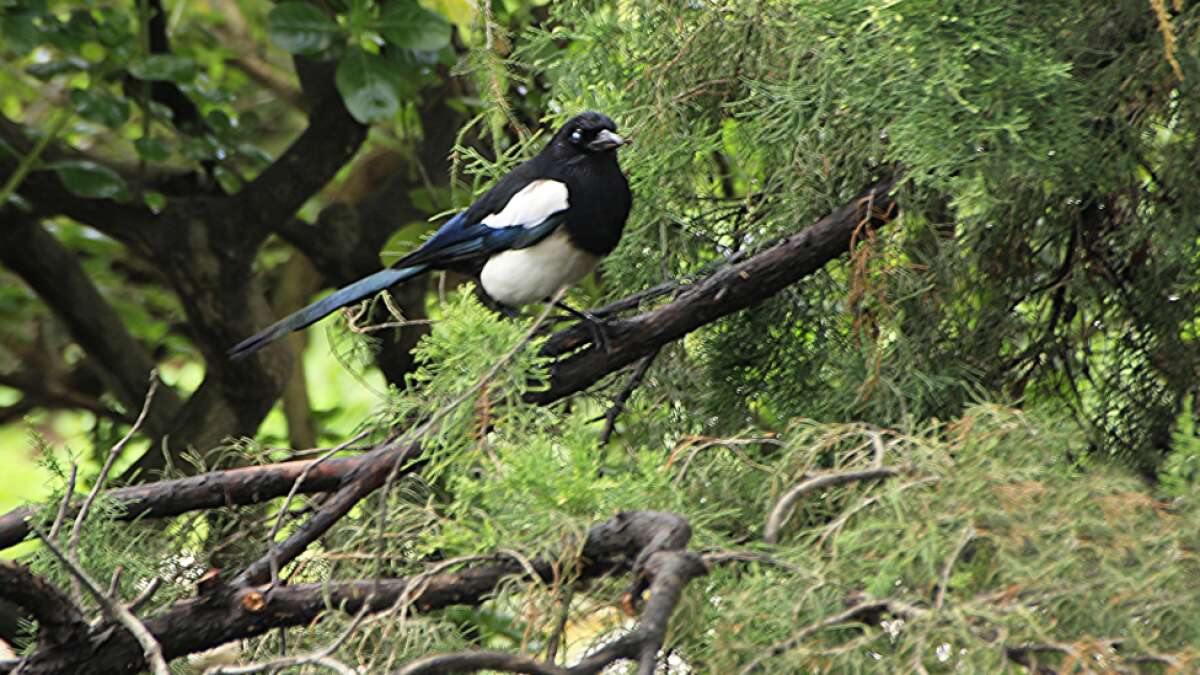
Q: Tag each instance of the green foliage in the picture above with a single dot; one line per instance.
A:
(1180, 473)
(1047, 256)
(1047, 247)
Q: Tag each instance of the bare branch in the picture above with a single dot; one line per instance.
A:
(783, 507)
(469, 662)
(858, 612)
(618, 406)
(231, 487)
(113, 609)
(60, 621)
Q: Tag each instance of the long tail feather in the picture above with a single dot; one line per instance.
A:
(340, 298)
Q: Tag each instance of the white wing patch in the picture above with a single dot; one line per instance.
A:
(533, 204)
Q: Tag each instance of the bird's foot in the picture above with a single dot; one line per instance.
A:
(597, 325)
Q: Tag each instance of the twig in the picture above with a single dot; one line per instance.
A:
(471, 661)
(113, 454)
(287, 502)
(618, 406)
(967, 535)
(114, 610)
(854, 613)
(114, 586)
(62, 506)
(146, 595)
(836, 524)
(783, 508)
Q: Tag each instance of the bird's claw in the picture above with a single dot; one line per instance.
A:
(598, 328)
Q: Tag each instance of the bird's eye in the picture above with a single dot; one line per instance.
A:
(576, 136)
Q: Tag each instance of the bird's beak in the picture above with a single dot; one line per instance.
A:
(606, 140)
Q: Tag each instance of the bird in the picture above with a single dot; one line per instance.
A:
(541, 227)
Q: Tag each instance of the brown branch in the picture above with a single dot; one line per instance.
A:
(114, 610)
(863, 611)
(783, 507)
(57, 276)
(60, 621)
(618, 405)
(729, 290)
(232, 612)
(232, 487)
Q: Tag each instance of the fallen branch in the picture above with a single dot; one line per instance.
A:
(228, 612)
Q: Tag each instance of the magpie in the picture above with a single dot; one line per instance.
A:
(541, 227)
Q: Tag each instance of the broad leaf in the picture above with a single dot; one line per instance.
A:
(368, 85)
(151, 149)
(171, 67)
(300, 28)
(408, 25)
(100, 107)
(48, 69)
(91, 180)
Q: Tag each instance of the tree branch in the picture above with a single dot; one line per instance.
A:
(56, 275)
(783, 507)
(729, 290)
(234, 612)
(60, 622)
(232, 487)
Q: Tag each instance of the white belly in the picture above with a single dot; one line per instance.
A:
(521, 276)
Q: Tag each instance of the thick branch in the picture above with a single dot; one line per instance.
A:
(55, 274)
(60, 622)
(237, 612)
(330, 140)
(730, 290)
(232, 487)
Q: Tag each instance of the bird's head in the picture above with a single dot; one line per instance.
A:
(587, 134)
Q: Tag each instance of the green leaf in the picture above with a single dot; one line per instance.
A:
(45, 71)
(100, 107)
(91, 180)
(155, 201)
(151, 149)
(368, 86)
(408, 25)
(171, 67)
(300, 28)
(229, 180)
